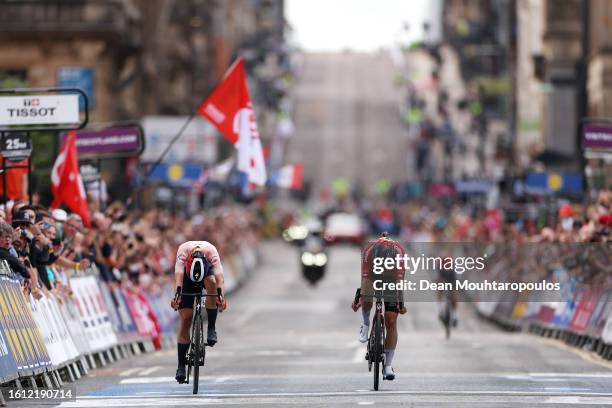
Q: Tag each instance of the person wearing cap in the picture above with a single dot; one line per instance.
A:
(197, 263)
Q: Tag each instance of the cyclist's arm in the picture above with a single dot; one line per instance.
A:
(220, 282)
(179, 267)
(213, 256)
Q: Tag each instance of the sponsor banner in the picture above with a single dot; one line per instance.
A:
(597, 136)
(71, 317)
(110, 143)
(20, 328)
(607, 331)
(166, 317)
(602, 310)
(39, 110)
(198, 143)
(92, 311)
(549, 183)
(8, 362)
(585, 309)
(55, 332)
(144, 317)
(177, 174)
(126, 324)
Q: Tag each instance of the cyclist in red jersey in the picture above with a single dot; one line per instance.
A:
(384, 247)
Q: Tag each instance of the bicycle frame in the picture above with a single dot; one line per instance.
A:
(198, 351)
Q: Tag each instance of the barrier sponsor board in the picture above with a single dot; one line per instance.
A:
(94, 316)
(144, 318)
(22, 333)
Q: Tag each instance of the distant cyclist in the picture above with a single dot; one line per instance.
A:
(383, 247)
(196, 262)
(446, 274)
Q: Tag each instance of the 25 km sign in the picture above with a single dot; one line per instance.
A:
(16, 146)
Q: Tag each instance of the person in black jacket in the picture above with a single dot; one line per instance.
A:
(9, 254)
(18, 262)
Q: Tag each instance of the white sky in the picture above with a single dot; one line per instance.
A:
(359, 25)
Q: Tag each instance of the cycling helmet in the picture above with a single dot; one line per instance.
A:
(196, 266)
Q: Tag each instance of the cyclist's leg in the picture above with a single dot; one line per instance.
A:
(183, 337)
(211, 308)
(391, 313)
(366, 307)
(185, 317)
(367, 290)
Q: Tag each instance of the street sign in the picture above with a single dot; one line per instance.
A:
(110, 143)
(16, 146)
(39, 110)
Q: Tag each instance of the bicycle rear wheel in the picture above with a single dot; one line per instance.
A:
(197, 352)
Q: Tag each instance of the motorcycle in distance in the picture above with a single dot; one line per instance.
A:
(313, 257)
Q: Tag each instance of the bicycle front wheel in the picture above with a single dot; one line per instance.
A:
(378, 349)
(197, 352)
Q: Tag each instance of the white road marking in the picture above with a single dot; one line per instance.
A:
(365, 403)
(147, 380)
(130, 371)
(579, 401)
(459, 393)
(276, 353)
(599, 399)
(149, 371)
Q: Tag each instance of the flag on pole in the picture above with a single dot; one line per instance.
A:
(66, 183)
(291, 176)
(229, 108)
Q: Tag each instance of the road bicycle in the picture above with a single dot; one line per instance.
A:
(375, 354)
(197, 347)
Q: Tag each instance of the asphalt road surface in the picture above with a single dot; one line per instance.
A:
(283, 343)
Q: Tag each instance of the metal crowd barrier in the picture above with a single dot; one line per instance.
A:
(47, 342)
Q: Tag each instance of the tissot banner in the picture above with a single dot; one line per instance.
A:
(39, 110)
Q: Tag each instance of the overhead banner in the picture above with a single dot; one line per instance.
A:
(39, 110)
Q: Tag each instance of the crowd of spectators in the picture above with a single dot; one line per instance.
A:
(526, 246)
(134, 249)
(462, 223)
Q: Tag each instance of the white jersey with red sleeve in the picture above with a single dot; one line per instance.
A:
(208, 249)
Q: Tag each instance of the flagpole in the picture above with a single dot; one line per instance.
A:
(167, 149)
